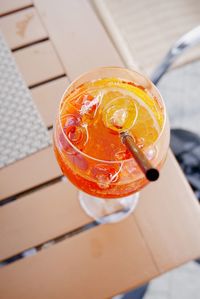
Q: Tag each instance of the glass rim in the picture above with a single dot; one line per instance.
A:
(96, 70)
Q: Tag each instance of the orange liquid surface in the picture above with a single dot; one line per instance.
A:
(87, 139)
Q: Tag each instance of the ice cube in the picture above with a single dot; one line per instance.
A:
(64, 144)
(105, 175)
(78, 160)
(120, 114)
(75, 134)
(75, 131)
(103, 181)
(119, 118)
(89, 108)
(122, 154)
(131, 167)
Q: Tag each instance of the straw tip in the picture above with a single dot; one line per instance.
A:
(152, 174)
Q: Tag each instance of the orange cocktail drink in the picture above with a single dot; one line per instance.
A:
(93, 113)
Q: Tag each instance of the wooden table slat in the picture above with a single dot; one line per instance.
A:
(22, 28)
(28, 173)
(154, 224)
(80, 39)
(38, 217)
(96, 264)
(38, 63)
(47, 98)
(7, 6)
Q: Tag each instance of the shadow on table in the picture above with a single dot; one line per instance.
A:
(186, 147)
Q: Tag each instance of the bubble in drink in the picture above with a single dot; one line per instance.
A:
(151, 152)
(140, 142)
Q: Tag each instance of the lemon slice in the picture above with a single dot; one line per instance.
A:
(115, 85)
(127, 108)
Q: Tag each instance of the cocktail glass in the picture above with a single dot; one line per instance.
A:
(93, 112)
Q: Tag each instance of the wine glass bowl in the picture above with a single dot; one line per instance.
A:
(92, 156)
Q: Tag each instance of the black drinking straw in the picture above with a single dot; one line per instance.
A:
(151, 173)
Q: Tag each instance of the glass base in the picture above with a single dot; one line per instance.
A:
(108, 210)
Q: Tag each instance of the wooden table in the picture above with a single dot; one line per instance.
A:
(53, 42)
